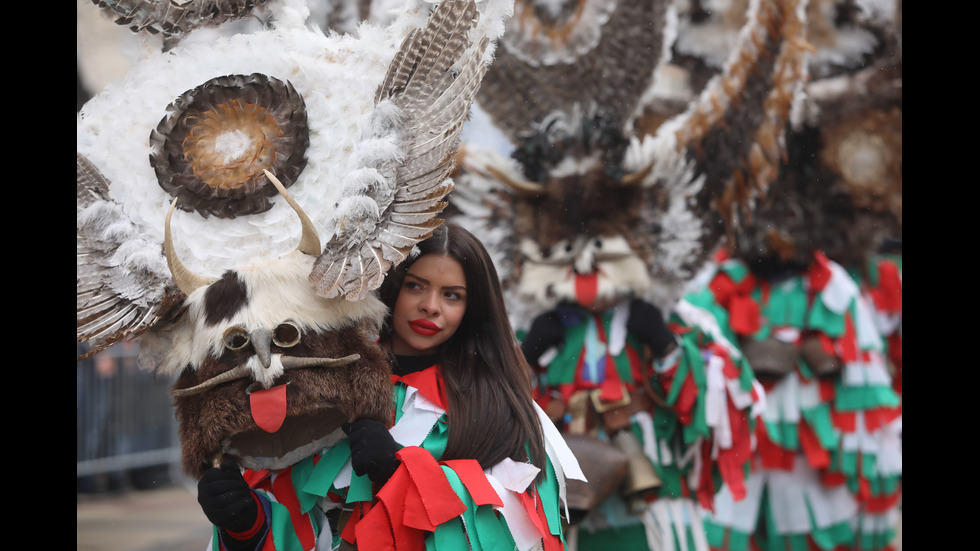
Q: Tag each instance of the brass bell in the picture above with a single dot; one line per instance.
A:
(605, 466)
(640, 476)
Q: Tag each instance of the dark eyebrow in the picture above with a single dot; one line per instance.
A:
(427, 282)
(422, 279)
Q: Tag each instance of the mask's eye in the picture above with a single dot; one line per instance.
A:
(236, 338)
(286, 335)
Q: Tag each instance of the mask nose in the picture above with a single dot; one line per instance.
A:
(261, 339)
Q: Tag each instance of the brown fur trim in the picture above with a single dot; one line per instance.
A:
(358, 390)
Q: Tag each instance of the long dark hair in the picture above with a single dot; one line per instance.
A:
(488, 381)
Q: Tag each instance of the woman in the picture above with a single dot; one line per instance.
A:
(470, 454)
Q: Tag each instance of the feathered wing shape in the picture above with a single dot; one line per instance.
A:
(174, 19)
(115, 300)
(708, 168)
(426, 96)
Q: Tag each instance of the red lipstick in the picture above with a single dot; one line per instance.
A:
(424, 327)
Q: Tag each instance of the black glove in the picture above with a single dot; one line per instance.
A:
(647, 324)
(372, 449)
(226, 499)
(546, 331)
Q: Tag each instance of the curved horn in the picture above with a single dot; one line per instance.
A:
(293, 362)
(521, 186)
(310, 242)
(239, 372)
(242, 371)
(187, 281)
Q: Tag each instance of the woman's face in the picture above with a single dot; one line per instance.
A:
(430, 305)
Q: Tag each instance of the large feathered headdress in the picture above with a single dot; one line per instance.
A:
(608, 163)
(241, 194)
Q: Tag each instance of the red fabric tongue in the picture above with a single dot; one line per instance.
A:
(269, 407)
(586, 288)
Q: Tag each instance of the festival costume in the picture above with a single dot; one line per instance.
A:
(427, 503)
(690, 413)
(827, 467)
(255, 289)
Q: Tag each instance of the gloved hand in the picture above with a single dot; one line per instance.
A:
(226, 499)
(372, 449)
(546, 331)
(647, 324)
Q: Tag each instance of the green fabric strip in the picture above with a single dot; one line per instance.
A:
(831, 536)
(715, 534)
(876, 541)
(783, 434)
(623, 537)
(736, 270)
(399, 394)
(360, 489)
(548, 490)
(322, 475)
(561, 370)
(852, 398)
(451, 536)
(283, 532)
(786, 304)
(435, 442)
(301, 474)
(823, 319)
(819, 420)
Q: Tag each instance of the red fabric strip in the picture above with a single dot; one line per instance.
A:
(684, 406)
(816, 455)
(706, 482)
(731, 461)
(427, 382)
(440, 501)
(358, 511)
(888, 295)
(551, 541)
(819, 272)
(412, 510)
(827, 391)
(475, 480)
(373, 530)
(849, 342)
(880, 504)
(723, 288)
(282, 488)
(744, 315)
(254, 479)
(531, 506)
(844, 420)
(773, 456)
